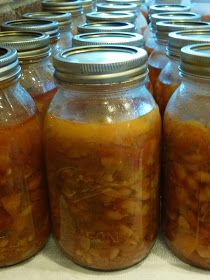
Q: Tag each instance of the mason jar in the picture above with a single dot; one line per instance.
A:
(64, 20)
(186, 160)
(34, 55)
(41, 25)
(74, 7)
(102, 143)
(104, 26)
(111, 16)
(169, 80)
(142, 8)
(141, 23)
(149, 33)
(158, 58)
(24, 220)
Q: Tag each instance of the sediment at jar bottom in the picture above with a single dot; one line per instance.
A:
(24, 221)
(103, 185)
(186, 203)
(163, 92)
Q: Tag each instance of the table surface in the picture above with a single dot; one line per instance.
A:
(51, 264)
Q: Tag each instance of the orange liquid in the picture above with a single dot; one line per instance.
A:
(187, 190)
(24, 225)
(103, 184)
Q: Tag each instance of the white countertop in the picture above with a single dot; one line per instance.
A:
(51, 264)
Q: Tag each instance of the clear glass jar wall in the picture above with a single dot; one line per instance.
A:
(118, 123)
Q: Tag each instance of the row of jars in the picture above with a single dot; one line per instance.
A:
(102, 144)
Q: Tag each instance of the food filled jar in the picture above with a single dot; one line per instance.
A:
(24, 222)
(74, 7)
(64, 20)
(141, 23)
(104, 26)
(34, 56)
(112, 38)
(111, 16)
(142, 8)
(158, 58)
(40, 25)
(186, 211)
(103, 129)
(169, 80)
(149, 33)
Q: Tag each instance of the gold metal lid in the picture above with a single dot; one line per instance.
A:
(104, 26)
(138, 3)
(108, 38)
(111, 16)
(179, 39)
(63, 19)
(161, 8)
(163, 28)
(101, 64)
(129, 7)
(29, 45)
(9, 65)
(175, 16)
(72, 6)
(40, 25)
(195, 60)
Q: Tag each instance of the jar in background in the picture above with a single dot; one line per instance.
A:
(169, 79)
(102, 145)
(186, 210)
(88, 6)
(74, 7)
(141, 23)
(158, 58)
(64, 21)
(34, 56)
(104, 26)
(40, 25)
(169, 8)
(176, 2)
(24, 220)
(111, 16)
(112, 38)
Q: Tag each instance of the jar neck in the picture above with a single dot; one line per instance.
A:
(34, 61)
(161, 42)
(105, 89)
(199, 85)
(9, 84)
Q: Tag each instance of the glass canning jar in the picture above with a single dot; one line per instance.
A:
(24, 220)
(112, 38)
(169, 80)
(111, 16)
(102, 143)
(104, 26)
(40, 25)
(149, 34)
(64, 20)
(158, 58)
(186, 203)
(141, 23)
(74, 7)
(34, 56)
(176, 2)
